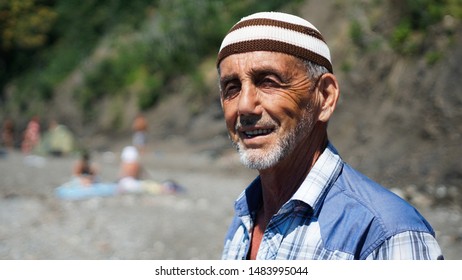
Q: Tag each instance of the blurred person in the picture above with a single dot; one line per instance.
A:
(130, 169)
(8, 133)
(278, 92)
(131, 181)
(31, 136)
(140, 128)
(84, 170)
(58, 139)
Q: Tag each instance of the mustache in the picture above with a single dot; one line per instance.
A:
(254, 120)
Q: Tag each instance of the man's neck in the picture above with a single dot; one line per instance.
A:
(281, 182)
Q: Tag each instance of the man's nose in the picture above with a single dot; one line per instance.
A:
(249, 101)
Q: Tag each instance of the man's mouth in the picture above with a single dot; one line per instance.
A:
(256, 132)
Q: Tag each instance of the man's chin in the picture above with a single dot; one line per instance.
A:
(258, 159)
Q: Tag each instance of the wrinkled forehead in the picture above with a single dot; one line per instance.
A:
(248, 62)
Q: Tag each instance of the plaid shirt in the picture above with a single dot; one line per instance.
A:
(336, 214)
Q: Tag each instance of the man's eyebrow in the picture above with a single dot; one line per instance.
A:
(227, 78)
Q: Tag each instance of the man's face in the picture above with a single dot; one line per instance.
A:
(268, 106)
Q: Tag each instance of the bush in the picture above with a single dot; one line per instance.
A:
(416, 18)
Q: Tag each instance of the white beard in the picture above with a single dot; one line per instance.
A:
(263, 159)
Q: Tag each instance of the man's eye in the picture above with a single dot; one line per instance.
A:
(268, 82)
(230, 91)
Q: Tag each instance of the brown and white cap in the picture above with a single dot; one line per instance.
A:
(276, 32)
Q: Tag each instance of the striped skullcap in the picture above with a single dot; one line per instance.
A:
(276, 32)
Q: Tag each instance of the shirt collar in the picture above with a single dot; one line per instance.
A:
(312, 191)
(249, 201)
(320, 179)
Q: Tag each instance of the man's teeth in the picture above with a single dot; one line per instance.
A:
(258, 132)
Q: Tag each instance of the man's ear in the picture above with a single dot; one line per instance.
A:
(329, 92)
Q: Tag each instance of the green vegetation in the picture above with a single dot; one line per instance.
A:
(356, 33)
(411, 28)
(416, 17)
(135, 47)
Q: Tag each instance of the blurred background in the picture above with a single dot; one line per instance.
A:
(91, 67)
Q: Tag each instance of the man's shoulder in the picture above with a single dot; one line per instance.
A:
(369, 195)
(371, 199)
(367, 212)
